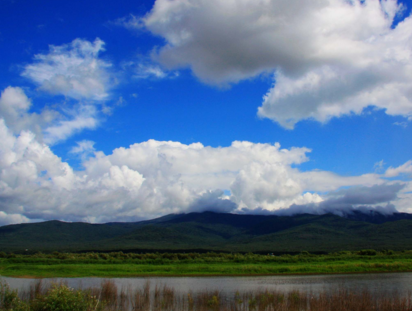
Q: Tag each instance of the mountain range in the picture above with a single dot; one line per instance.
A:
(209, 231)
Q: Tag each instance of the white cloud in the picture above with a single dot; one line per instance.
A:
(405, 198)
(144, 68)
(51, 125)
(329, 57)
(155, 178)
(130, 22)
(14, 109)
(84, 118)
(322, 181)
(6, 219)
(403, 124)
(84, 146)
(269, 186)
(74, 70)
(345, 201)
(378, 166)
(145, 71)
(333, 91)
(405, 168)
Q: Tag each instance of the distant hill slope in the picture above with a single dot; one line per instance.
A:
(218, 232)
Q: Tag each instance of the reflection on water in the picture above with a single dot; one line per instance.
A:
(377, 283)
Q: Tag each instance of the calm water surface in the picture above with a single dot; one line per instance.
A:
(377, 283)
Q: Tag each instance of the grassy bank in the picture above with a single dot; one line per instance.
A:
(107, 297)
(207, 264)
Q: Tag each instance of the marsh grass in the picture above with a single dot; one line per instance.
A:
(118, 264)
(108, 297)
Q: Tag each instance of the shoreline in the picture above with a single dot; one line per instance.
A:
(202, 275)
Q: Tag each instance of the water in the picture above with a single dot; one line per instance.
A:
(381, 283)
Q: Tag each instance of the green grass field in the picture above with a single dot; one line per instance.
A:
(129, 270)
(208, 264)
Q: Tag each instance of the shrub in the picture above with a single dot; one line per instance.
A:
(62, 256)
(9, 299)
(38, 255)
(388, 252)
(305, 254)
(11, 255)
(367, 252)
(93, 256)
(213, 302)
(63, 298)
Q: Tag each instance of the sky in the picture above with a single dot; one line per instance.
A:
(130, 110)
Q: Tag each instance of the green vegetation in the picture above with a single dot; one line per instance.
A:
(57, 297)
(107, 297)
(169, 264)
(216, 232)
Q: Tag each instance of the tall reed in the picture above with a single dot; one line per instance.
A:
(108, 297)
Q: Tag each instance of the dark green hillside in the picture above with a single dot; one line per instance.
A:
(57, 234)
(218, 232)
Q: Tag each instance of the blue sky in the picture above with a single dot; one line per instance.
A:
(129, 110)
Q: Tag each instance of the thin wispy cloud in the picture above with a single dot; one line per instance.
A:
(74, 70)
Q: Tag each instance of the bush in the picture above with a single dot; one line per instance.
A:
(93, 256)
(38, 255)
(388, 252)
(367, 252)
(9, 299)
(104, 256)
(63, 298)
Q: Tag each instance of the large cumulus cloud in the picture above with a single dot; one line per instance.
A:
(154, 178)
(329, 57)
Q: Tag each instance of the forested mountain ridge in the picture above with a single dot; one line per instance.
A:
(218, 232)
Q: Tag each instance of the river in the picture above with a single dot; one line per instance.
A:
(378, 283)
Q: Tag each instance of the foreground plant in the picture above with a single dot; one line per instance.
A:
(63, 298)
(9, 299)
(60, 297)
